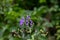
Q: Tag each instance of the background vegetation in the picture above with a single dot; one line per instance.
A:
(45, 15)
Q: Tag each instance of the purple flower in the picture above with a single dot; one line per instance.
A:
(28, 21)
(22, 21)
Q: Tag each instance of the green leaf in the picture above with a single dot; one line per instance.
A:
(42, 1)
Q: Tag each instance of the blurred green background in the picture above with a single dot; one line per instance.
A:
(45, 15)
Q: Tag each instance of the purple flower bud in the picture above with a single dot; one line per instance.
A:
(22, 21)
(31, 22)
(27, 22)
(28, 17)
